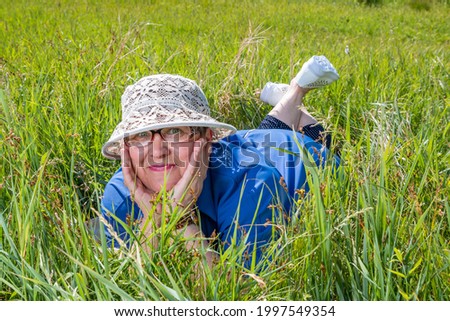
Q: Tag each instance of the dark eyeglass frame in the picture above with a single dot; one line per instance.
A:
(193, 131)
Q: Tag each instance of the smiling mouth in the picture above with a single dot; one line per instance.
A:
(161, 168)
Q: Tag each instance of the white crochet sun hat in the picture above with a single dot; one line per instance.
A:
(162, 101)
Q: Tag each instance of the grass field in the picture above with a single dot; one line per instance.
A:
(377, 231)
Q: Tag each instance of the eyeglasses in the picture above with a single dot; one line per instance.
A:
(171, 135)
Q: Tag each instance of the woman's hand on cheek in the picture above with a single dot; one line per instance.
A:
(188, 189)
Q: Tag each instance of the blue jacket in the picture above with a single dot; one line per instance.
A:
(251, 181)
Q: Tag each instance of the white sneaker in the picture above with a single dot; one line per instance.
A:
(273, 92)
(316, 72)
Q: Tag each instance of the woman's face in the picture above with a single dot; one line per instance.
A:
(162, 163)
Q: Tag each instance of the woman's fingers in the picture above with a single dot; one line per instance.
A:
(192, 167)
(130, 178)
(127, 169)
(204, 163)
(202, 159)
(139, 193)
(191, 183)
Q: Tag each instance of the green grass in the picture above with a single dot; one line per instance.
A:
(377, 230)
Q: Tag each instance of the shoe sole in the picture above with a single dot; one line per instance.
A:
(323, 73)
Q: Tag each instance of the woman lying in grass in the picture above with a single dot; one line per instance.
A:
(226, 184)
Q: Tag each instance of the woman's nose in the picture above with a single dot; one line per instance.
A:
(158, 146)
